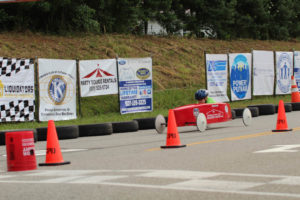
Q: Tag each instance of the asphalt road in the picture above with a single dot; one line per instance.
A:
(227, 161)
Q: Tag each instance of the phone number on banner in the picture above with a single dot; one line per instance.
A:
(136, 102)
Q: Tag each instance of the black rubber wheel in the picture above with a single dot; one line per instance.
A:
(265, 109)
(2, 134)
(146, 123)
(121, 127)
(287, 106)
(296, 106)
(233, 114)
(63, 132)
(254, 111)
(95, 129)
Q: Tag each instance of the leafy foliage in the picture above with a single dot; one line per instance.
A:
(224, 19)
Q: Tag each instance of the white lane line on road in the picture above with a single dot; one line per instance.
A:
(170, 187)
(43, 152)
(96, 179)
(200, 181)
(241, 137)
(288, 181)
(6, 176)
(179, 174)
(62, 179)
(281, 149)
(65, 172)
(216, 185)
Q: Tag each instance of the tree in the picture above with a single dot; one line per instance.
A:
(282, 13)
(252, 19)
(216, 15)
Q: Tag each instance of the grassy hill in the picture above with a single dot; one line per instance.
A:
(177, 62)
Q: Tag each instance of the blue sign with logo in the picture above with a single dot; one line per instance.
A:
(57, 89)
(240, 76)
(135, 96)
(216, 65)
(135, 90)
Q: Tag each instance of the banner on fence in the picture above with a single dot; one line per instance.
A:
(16, 89)
(98, 77)
(284, 71)
(263, 72)
(135, 85)
(216, 76)
(240, 76)
(57, 89)
(297, 67)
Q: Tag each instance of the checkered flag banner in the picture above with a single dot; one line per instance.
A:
(9, 66)
(17, 111)
(16, 89)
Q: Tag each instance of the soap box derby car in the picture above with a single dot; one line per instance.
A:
(200, 115)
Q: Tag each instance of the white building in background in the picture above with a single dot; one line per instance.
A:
(154, 28)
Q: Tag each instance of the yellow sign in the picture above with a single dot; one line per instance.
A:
(1, 89)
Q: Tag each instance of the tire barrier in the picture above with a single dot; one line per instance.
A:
(95, 129)
(2, 134)
(287, 106)
(254, 111)
(238, 112)
(74, 131)
(233, 114)
(63, 132)
(146, 123)
(295, 106)
(121, 127)
(264, 109)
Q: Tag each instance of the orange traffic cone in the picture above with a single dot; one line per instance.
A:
(173, 140)
(281, 119)
(295, 92)
(53, 154)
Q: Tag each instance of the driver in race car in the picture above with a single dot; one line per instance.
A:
(202, 97)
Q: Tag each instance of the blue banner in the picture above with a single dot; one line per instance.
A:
(135, 85)
(240, 76)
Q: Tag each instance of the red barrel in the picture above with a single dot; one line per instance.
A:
(20, 151)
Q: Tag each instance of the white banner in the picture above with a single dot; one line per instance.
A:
(57, 87)
(16, 89)
(284, 71)
(216, 73)
(297, 67)
(240, 76)
(135, 85)
(98, 77)
(263, 72)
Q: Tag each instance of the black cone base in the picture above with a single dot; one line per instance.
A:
(168, 147)
(282, 130)
(55, 164)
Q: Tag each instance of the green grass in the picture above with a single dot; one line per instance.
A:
(106, 108)
(178, 67)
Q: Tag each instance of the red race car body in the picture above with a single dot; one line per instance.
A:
(214, 113)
